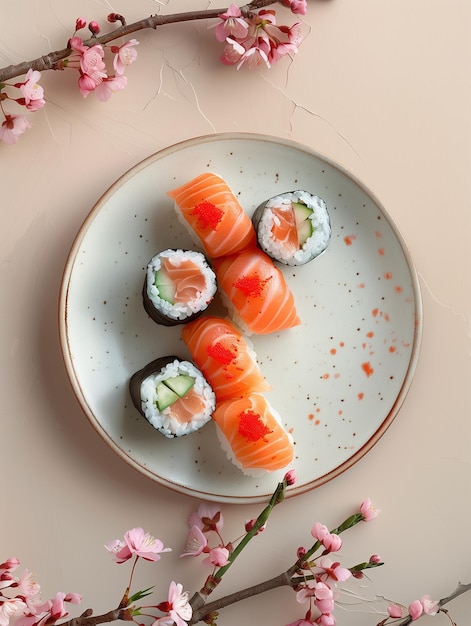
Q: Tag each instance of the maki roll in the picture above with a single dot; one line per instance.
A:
(173, 396)
(293, 228)
(179, 285)
(214, 217)
(252, 435)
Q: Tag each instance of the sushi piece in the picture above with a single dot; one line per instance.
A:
(293, 228)
(224, 356)
(173, 396)
(210, 210)
(256, 292)
(252, 435)
(179, 285)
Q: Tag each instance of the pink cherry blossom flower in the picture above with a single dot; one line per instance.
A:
(196, 542)
(76, 44)
(232, 24)
(232, 53)
(394, 610)
(32, 92)
(415, 609)
(296, 6)
(109, 85)
(10, 564)
(9, 608)
(87, 84)
(324, 597)
(431, 607)
(177, 606)
(330, 571)
(138, 543)
(368, 511)
(300, 622)
(255, 56)
(218, 556)
(326, 619)
(12, 128)
(331, 541)
(92, 64)
(125, 55)
(208, 517)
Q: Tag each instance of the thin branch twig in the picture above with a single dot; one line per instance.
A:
(52, 60)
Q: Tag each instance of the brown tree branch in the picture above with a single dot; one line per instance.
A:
(52, 60)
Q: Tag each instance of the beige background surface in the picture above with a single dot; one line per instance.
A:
(381, 87)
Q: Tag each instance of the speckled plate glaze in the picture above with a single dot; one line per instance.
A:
(338, 379)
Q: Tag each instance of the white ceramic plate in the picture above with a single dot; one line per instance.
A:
(338, 380)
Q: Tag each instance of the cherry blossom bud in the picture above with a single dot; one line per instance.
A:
(290, 477)
(416, 609)
(375, 559)
(94, 28)
(250, 523)
(394, 610)
(301, 552)
(357, 575)
(116, 17)
(80, 23)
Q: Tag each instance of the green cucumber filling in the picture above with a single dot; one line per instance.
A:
(171, 389)
(165, 286)
(302, 214)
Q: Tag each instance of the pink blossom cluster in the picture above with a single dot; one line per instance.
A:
(20, 601)
(32, 98)
(93, 76)
(318, 583)
(139, 544)
(90, 62)
(417, 608)
(206, 523)
(256, 39)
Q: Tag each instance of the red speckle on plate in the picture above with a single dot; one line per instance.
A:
(398, 289)
(361, 286)
(387, 275)
(333, 351)
(361, 395)
(348, 239)
(381, 251)
(325, 376)
(392, 349)
(378, 234)
(366, 367)
(370, 334)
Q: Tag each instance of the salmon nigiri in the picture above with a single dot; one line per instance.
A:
(213, 213)
(224, 357)
(256, 292)
(252, 435)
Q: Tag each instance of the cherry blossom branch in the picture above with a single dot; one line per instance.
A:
(52, 60)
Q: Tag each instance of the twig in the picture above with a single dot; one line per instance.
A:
(52, 60)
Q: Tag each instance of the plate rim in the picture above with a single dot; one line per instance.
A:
(64, 299)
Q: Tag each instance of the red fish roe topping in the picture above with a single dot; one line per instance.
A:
(221, 354)
(251, 285)
(251, 426)
(208, 215)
